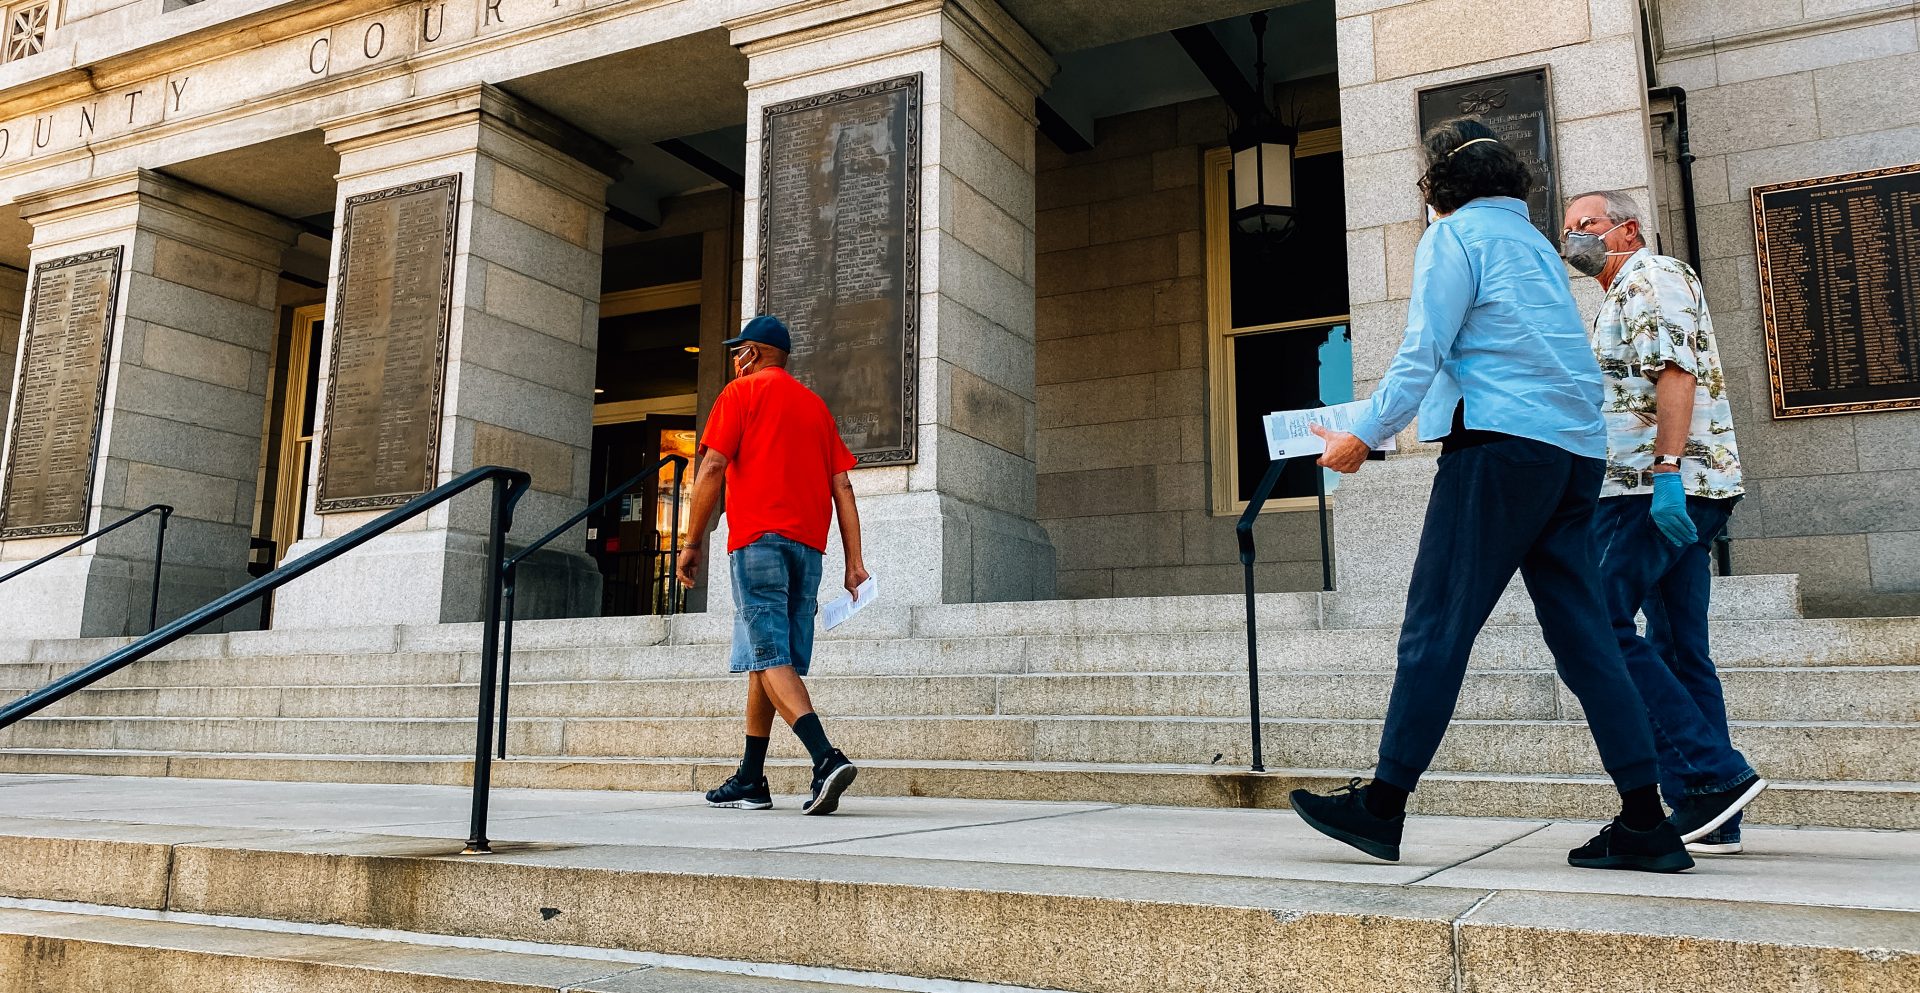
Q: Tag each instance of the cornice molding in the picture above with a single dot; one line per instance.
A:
(244, 232)
(983, 22)
(471, 104)
(1788, 32)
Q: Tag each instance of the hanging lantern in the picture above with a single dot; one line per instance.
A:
(1263, 159)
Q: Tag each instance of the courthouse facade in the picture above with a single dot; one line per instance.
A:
(284, 264)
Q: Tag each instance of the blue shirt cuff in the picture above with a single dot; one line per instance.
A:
(1370, 430)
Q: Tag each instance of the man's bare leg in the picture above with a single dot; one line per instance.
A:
(747, 789)
(787, 691)
(832, 773)
(760, 708)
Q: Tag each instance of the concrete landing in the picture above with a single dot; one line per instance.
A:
(1801, 866)
(1149, 897)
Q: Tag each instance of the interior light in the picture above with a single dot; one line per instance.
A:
(692, 349)
(597, 391)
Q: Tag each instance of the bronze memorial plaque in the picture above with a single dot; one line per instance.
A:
(388, 366)
(1840, 291)
(1517, 106)
(839, 232)
(63, 381)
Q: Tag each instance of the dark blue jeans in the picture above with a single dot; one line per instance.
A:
(1672, 667)
(1508, 505)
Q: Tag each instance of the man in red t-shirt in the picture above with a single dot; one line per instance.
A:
(779, 452)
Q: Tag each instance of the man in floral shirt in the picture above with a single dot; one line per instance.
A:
(1673, 476)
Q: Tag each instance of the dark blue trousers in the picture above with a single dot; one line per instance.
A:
(1497, 508)
(1672, 668)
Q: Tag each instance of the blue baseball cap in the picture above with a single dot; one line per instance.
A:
(766, 330)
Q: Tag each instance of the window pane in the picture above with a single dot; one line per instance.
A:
(1285, 370)
(1305, 276)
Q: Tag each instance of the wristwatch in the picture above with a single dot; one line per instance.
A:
(1666, 460)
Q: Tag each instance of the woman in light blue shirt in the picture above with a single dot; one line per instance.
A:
(1496, 363)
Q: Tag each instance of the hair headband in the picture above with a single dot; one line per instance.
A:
(1470, 144)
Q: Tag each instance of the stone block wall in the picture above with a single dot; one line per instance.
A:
(1777, 92)
(1120, 370)
(1390, 51)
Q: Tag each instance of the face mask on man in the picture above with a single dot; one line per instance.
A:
(1587, 252)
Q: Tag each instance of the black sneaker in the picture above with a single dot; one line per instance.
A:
(830, 779)
(1698, 816)
(1620, 847)
(741, 795)
(1343, 816)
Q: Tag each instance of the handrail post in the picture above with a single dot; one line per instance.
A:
(673, 587)
(506, 652)
(1326, 540)
(498, 523)
(1244, 532)
(159, 555)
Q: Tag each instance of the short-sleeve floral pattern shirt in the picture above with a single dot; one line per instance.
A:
(1655, 314)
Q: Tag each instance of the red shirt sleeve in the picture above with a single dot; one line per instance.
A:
(725, 423)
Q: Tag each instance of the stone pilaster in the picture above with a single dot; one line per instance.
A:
(192, 333)
(958, 526)
(1387, 53)
(522, 337)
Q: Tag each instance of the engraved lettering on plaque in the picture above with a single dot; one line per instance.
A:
(1839, 264)
(1518, 107)
(63, 383)
(839, 232)
(388, 365)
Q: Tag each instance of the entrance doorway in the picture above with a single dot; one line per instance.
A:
(294, 425)
(646, 397)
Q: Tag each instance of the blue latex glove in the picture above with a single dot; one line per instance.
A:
(1670, 509)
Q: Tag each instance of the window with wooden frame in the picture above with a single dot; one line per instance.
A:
(1277, 323)
(27, 27)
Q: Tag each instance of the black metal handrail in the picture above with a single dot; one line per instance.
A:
(1244, 531)
(159, 553)
(510, 570)
(508, 486)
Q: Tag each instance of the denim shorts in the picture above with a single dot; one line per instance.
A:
(776, 586)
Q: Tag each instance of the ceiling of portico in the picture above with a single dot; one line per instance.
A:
(1071, 25)
(688, 85)
(15, 234)
(290, 176)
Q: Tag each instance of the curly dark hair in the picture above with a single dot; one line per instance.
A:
(1457, 172)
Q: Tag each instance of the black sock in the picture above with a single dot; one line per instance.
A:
(1640, 809)
(753, 761)
(813, 736)
(1385, 800)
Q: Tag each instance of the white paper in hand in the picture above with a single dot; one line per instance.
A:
(838, 612)
(1289, 437)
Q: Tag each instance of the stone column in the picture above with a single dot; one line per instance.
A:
(191, 334)
(957, 526)
(522, 334)
(1387, 54)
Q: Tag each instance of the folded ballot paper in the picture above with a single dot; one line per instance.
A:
(1288, 436)
(839, 611)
